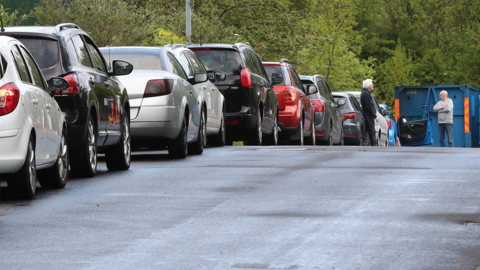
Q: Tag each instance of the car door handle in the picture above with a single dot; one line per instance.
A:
(106, 84)
(213, 89)
(191, 92)
(91, 81)
(35, 101)
(204, 87)
(48, 106)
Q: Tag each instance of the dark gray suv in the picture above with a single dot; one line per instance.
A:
(328, 119)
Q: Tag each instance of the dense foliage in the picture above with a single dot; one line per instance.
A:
(395, 42)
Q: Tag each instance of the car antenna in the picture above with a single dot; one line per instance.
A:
(1, 20)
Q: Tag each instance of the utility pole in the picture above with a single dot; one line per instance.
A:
(189, 21)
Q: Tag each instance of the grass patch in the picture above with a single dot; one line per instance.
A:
(239, 143)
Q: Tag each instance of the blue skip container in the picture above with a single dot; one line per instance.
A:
(465, 110)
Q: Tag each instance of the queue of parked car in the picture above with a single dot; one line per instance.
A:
(63, 100)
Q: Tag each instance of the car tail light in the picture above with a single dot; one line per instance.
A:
(318, 106)
(232, 122)
(73, 88)
(319, 133)
(9, 97)
(156, 88)
(245, 78)
(349, 116)
(289, 95)
(389, 123)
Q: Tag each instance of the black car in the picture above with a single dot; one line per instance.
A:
(251, 104)
(353, 120)
(328, 119)
(95, 105)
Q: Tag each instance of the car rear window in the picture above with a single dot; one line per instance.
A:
(140, 61)
(280, 70)
(44, 51)
(227, 61)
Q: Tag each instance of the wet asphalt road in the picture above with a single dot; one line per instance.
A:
(257, 208)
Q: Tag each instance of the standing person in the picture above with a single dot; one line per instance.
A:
(445, 118)
(369, 111)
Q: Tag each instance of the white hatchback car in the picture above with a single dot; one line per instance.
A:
(32, 126)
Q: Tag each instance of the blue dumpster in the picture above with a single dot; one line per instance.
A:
(465, 110)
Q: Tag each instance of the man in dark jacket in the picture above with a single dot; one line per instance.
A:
(369, 111)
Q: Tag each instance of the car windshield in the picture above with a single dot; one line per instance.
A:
(275, 69)
(221, 60)
(141, 60)
(44, 51)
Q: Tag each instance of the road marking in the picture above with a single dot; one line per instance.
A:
(280, 149)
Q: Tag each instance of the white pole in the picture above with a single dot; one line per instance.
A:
(189, 21)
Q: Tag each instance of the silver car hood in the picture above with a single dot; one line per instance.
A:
(136, 81)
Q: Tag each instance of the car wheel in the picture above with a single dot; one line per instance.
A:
(220, 138)
(256, 133)
(83, 162)
(300, 141)
(360, 140)
(330, 139)
(272, 139)
(311, 138)
(23, 183)
(196, 148)
(57, 175)
(178, 148)
(118, 157)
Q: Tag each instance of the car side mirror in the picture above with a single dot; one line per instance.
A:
(200, 77)
(57, 84)
(312, 89)
(341, 101)
(277, 78)
(386, 112)
(121, 68)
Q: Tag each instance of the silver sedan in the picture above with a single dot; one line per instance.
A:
(165, 109)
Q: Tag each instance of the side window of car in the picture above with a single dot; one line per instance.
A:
(196, 63)
(296, 79)
(37, 74)
(186, 64)
(249, 62)
(355, 103)
(21, 65)
(261, 68)
(3, 66)
(72, 53)
(97, 56)
(176, 67)
(82, 52)
(321, 89)
(328, 92)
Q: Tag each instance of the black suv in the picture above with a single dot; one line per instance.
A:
(95, 105)
(251, 104)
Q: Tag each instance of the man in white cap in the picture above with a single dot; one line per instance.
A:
(445, 118)
(369, 111)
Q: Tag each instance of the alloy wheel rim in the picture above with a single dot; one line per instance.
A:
(259, 128)
(204, 131)
(32, 167)
(301, 132)
(223, 131)
(63, 160)
(275, 132)
(185, 142)
(314, 140)
(91, 146)
(126, 141)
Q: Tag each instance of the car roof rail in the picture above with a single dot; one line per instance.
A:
(283, 60)
(62, 26)
(178, 45)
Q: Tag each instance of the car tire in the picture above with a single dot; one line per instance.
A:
(118, 157)
(272, 139)
(23, 183)
(83, 162)
(178, 148)
(360, 140)
(311, 139)
(300, 141)
(57, 176)
(196, 148)
(256, 134)
(220, 138)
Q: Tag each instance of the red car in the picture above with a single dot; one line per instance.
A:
(296, 113)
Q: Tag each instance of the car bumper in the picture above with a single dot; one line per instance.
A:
(155, 121)
(351, 132)
(322, 130)
(14, 144)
